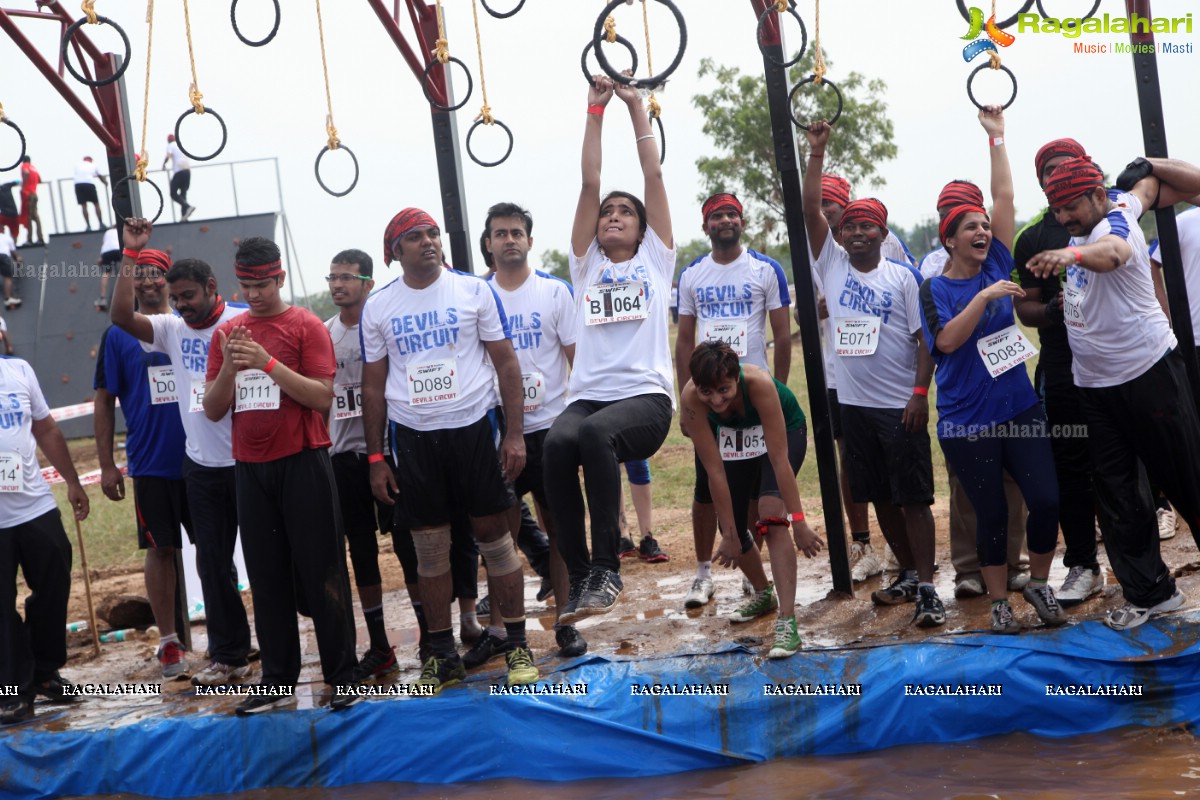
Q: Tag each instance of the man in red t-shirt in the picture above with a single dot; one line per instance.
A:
(274, 369)
(29, 200)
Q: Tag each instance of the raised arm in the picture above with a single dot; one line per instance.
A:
(136, 236)
(814, 220)
(658, 210)
(588, 209)
(1004, 215)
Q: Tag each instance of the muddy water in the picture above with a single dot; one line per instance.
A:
(1132, 764)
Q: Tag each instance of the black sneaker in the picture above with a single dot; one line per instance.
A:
(53, 687)
(487, 648)
(930, 612)
(570, 610)
(375, 664)
(627, 548)
(424, 652)
(345, 698)
(570, 643)
(484, 607)
(258, 703)
(902, 590)
(601, 594)
(17, 709)
(545, 590)
(438, 673)
(649, 551)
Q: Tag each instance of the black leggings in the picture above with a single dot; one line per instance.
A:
(598, 436)
(980, 463)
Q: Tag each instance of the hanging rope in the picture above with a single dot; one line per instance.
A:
(90, 17)
(441, 55)
(781, 6)
(442, 50)
(194, 92)
(819, 68)
(143, 157)
(610, 29)
(654, 108)
(993, 55)
(330, 130)
(89, 10)
(197, 97)
(485, 112)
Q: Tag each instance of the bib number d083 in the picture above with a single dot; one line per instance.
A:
(162, 385)
(1004, 350)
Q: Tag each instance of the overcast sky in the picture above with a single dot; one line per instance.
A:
(273, 101)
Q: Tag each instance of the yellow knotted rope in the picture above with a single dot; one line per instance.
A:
(89, 11)
(330, 130)
(781, 6)
(442, 51)
(143, 157)
(485, 112)
(819, 68)
(652, 102)
(994, 55)
(610, 29)
(194, 93)
(2, 117)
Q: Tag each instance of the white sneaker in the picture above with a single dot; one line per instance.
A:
(864, 563)
(700, 593)
(1081, 583)
(1168, 523)
(747, 586)
(1017, 581)
(969, 587)
(218, 674)
(1130, 616)
(890, 564)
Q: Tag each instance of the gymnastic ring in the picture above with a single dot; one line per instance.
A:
(621, 40)
(810, 79)
(502, 158)
(1095, 7)
(20, 133)
(126, 179)
(803, 36)
(79, 76)
(317, 170)
(962, 9)
(425, 85)
(179, 139)
(654, 81)
(980, 68)
(260, 42)
(662, 137)
(502, 14)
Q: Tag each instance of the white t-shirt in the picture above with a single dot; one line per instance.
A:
(541, 317)
(7, 245)
(178, 160)
(742, 292)
(345, 415)
(209, 443)
(889, 293)
(826, 328)
(1189, 248)
(894, 248)
(110, 242)
(439, 332)
(22, 402)
(934, 263)
(1121, 330)
(86, 172)
(618, 360)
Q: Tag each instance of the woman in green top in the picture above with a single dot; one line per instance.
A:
(756, 433)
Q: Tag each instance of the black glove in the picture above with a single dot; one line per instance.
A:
(1138, 168)
(1054, 310)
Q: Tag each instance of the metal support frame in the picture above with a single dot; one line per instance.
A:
(445, 125)
(788, 163)
(1154, 136)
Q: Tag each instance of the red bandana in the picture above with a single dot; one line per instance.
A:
(258, 272)
(954, 215)
(1072, 178)
(959, 193)
(401, 224)
(217, 310)
(866, 210)
(155, 258)
(836, 189)
(718, 201)
(1056, 149)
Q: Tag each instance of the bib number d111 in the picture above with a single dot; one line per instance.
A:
(255, 391)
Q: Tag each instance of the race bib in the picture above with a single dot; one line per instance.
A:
(347, 400)
(1004, 350)
(535, 390)
(196, 398)
(255, 391)
(856, 336)
(12, 477)
(1072, 311)
(162, 385)
(741, 444)
(432, 382)
(731, 332)
(615, 302)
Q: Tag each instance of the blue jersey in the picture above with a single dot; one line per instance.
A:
(969, 399)
(154, 439)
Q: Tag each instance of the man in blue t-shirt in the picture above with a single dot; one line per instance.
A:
(154, 446)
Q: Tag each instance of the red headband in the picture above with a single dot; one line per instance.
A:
(955, 215)
(258, 272)
(401, 224)
(1072, 178)
(1056, 149)
(959, 193)
(835, 189)
(718, 201)
(154, 258)
(866, 210)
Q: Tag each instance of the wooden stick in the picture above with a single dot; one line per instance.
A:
(87, 585)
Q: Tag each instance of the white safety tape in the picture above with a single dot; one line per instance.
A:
(71, 412)
(87, 479)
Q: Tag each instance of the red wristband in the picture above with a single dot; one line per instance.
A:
(596, 109)
(1078, 254)
(921, 390)
(797, 517)
(131, 253)
(270, 365)
(374, 458)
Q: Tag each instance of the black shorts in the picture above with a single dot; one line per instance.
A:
(442, 471)
(161, 507)
(7, 268)
(886, 463)
(736, 472)
(86, 193)
(110, 260)
(361, 512)
(835, 413)
(532, 479)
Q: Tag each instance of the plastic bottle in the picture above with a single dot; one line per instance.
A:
(77, 627)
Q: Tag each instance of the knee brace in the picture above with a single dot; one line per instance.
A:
(501, 556)
(433, 551)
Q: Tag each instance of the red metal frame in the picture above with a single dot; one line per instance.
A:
(424, 21)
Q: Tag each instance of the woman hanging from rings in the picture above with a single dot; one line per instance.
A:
(756, 432)
(622, 386)
(989, 419)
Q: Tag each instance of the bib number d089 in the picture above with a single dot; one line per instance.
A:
(433, 382)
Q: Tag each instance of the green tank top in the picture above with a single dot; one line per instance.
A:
(793, 415)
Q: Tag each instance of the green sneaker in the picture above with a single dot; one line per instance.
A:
(437, 674)
(760, 603)
(787, 638)
(521, 669)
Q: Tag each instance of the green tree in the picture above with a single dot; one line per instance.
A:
(687, 252)
(555, 263)
(738, 120)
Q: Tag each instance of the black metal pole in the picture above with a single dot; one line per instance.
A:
(788, 162)
(1154, 135)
